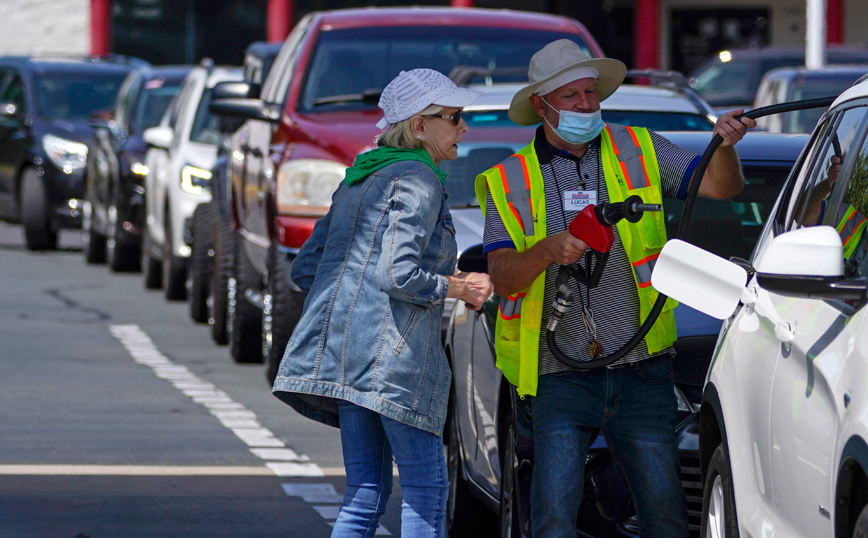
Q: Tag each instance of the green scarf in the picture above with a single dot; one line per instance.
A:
(371, 161)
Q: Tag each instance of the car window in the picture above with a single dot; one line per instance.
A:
(804, 121)
(206, 126)
(153, 100)
(658, 121)
(852, 216)
(178, 102)
(14, 92)
(350, 67)
(72, 96)
(277, 81)
(819, 179)
(126, 97)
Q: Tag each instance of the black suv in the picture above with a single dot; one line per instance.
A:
(114, 204)
(45, 134)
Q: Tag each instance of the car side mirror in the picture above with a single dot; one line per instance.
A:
(473, 260)
(160, 136)
(808, 263)
(248, 109)
(233, 89)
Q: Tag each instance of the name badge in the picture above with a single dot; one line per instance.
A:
(578, 200)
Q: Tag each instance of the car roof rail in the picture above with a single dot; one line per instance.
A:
(658, 77)
(462, 75)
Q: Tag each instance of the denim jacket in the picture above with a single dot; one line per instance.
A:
(374, 269)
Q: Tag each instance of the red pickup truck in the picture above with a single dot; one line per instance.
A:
(317, 111)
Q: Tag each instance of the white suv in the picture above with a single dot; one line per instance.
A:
(179, 162)
(784, 416)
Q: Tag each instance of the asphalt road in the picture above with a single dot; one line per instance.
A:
(120, 418)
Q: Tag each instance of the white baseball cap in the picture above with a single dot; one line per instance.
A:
(413, 91)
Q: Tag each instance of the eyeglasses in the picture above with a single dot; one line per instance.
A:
(454, 118)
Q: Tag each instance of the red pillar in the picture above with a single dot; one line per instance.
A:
(279, 20)
(646, 52)
(100, 27)
(461, 3)
(834, 21)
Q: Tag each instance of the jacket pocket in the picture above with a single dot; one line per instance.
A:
(407, 331)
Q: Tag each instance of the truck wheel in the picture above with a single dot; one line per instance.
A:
(245, 319)
(200, 269)
(718, 503)
(93, 242)
(223, 248)
(283, 307)
(35, 216)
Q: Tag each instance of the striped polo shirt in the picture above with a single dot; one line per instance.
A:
(614, 302)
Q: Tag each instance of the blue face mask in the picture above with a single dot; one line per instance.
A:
(576, 127)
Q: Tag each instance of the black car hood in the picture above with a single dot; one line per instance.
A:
(75, 130)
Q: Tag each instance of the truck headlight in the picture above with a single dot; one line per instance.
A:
(65, 154)
(305, 186)
(195, 180)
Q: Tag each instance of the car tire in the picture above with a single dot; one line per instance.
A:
(245, 319)
(860, 530)
(122, 252)
(464, 512)
(283, 307)
(93, 242)
(718, 504)
(200, 270)
(174, 269)
(35, 213)
(510, 523)
(224, 245)
(152, 267)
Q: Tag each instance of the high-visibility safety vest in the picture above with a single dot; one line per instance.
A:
(850, 229)
(630, 167)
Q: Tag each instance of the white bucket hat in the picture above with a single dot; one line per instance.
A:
(413, 91)
(558, 63)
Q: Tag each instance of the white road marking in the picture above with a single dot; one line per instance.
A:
(279, 459)
(133, 470)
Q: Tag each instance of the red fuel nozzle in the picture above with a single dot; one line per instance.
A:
(587, 227)
(593, 224)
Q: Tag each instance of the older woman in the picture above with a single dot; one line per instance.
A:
(366, 354)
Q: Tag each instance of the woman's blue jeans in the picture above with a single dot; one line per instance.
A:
(635, 408)
(369, 441)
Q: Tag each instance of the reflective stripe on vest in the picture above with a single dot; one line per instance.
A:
(643, 269)
(510, 307)
(516, 184)
(850, 230)
(629, 153)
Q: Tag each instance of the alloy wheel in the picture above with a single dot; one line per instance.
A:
(716, 511)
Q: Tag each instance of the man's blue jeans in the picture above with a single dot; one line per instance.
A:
(635, 408)
(369, 440)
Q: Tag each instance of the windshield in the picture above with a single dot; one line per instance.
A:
(154, 101)
(75, 96)
(727, 82)
(658, 121)
(351, 67)
(206, 126)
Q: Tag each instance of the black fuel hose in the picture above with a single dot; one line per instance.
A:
(683, 226)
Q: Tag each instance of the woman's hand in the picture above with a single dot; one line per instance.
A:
(472, 288)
